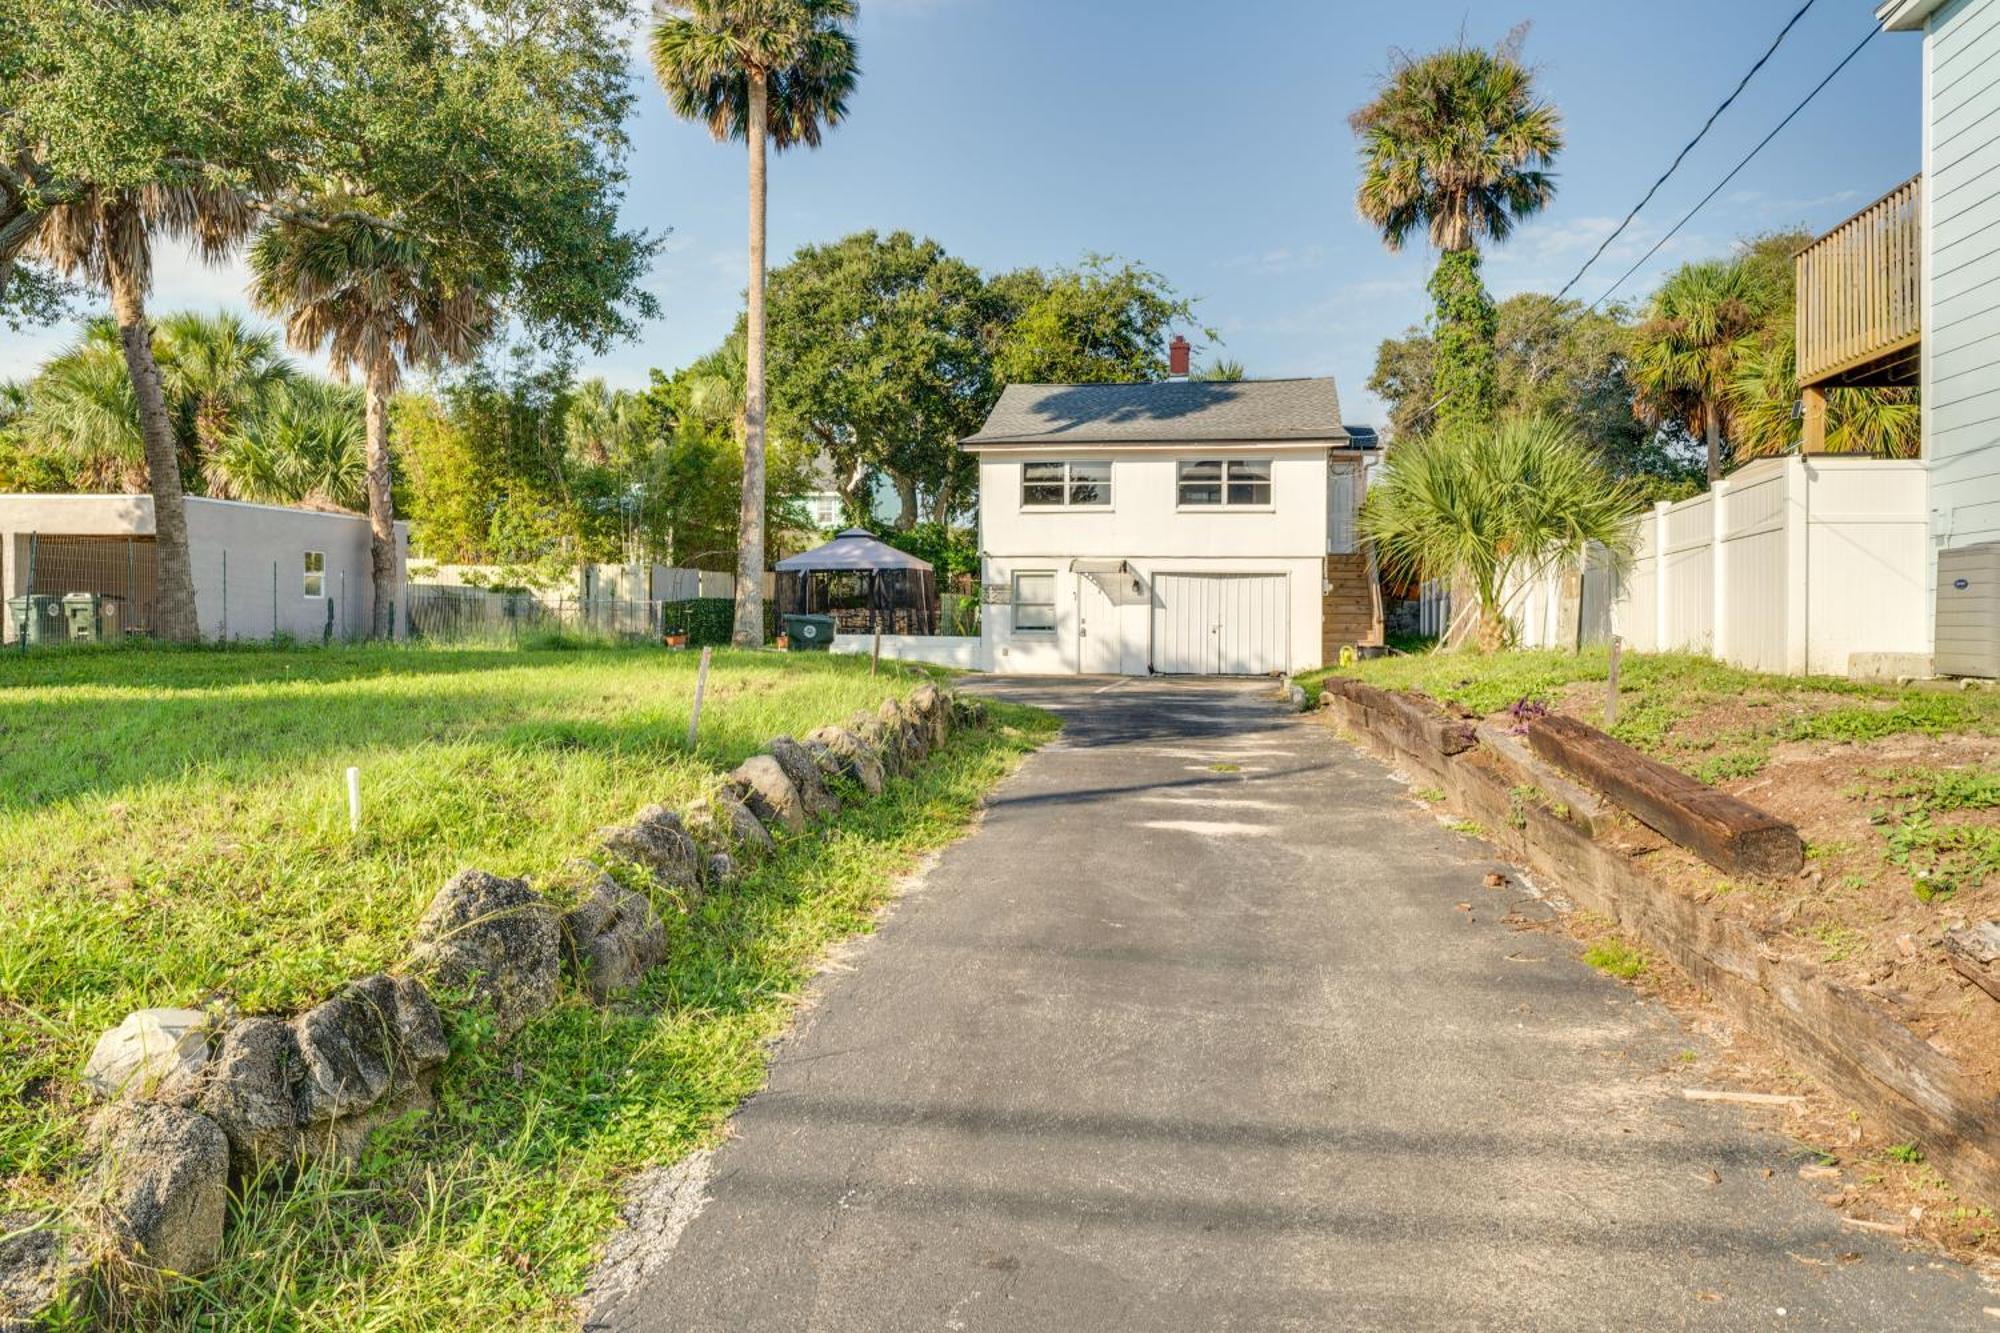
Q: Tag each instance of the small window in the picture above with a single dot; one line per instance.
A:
(1065, 485)
(315, 574)
(1236, 482)
(1035, 603)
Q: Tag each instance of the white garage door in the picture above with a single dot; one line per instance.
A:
(1220, 624)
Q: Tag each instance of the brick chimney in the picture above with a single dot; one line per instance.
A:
(1177, 357)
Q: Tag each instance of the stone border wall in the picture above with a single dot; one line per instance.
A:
(197, 1099)
(1852, 1044)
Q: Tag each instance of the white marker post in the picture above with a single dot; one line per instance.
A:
(354, 800)
(700, 686)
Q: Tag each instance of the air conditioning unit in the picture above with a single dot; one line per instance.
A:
(1968, 611)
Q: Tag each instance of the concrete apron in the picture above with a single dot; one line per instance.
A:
(1195, 1033)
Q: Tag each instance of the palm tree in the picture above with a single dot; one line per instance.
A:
(1486, 507)
(106, 238)
(1684, 354)
(215, 371)
(1763, 404)
(1456, 144)
(305, 443)
(769, 72)
(1223, 370)
(81, 408)
(372, 298)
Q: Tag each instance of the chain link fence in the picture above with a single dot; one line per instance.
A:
(439, 613)
(78, 589)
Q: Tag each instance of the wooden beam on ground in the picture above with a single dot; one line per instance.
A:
(1731, 835)
(1579, 804)
(1419, 726)
(1975, 951)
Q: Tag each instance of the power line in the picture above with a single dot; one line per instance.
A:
(1689, 147)
(1761, 145)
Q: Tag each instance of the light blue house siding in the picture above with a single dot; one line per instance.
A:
(1961, 351)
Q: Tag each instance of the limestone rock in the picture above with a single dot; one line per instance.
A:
(372, 1041)
(612, 938)
(901, 727)
(161, 1188)
(761, 785)
(931, 712)
(798, 764)
(852, 757)
(252, 1091)
(496, 937)
(657, 840)
(34, 1256)
(740, 830)
(721, 869)
(153, 1052)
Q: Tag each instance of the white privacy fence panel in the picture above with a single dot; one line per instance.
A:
(1687, 602)
(1791, 565)
(1751, 561)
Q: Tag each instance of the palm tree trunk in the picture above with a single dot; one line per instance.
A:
(381, 505)
(1712, 429)
(750, 520)
(174, 617)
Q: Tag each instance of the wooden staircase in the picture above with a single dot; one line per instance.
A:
(1352, 614)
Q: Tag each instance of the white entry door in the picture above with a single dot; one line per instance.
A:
(1221, 624)
(1099, 643)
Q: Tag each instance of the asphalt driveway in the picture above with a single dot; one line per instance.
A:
(1194, 1033)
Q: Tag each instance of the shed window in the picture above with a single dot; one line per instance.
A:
(1035, 602)
(315, 581)
(1231, 483)
(1065, 485)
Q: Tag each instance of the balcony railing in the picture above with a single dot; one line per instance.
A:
(1860, 291)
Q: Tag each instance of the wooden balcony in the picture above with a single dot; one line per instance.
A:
(1861, 295)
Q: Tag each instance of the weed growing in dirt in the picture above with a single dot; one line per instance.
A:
(1615, 958)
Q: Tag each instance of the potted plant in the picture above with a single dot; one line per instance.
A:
(677, 638)
(784, 642)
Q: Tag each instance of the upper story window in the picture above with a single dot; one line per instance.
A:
(1065, 485)
(1225, 483)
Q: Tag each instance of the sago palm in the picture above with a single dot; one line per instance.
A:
(1684, 354)
(1484, 508)
(374, 300)
(772, 73)
(105, 237)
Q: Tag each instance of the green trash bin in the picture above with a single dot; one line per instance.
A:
(809, 634)
(38, 619)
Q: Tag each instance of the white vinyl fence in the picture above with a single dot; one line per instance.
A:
(1789, 565)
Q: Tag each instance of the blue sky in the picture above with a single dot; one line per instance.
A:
(1210, 141)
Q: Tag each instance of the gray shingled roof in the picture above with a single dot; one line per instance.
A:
(1172, 412)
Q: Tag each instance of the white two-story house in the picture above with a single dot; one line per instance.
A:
(1182, 527)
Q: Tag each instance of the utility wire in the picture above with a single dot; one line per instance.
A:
(1681, 156)
(1790, 116)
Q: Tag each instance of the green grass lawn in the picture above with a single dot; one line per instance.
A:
(1716, 720)
(174, 830)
